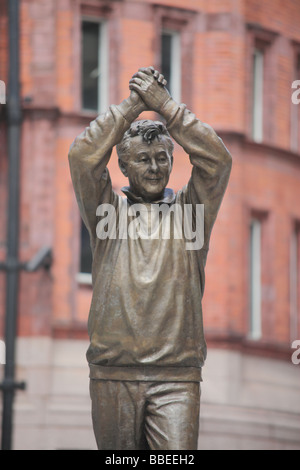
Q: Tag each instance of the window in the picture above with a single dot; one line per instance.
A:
(255, 279)
(262, 67)
(294, 282)
(2, 92)
(295, 110)
(85, 256)
(175, 32)
(258, 95)
(94, 66)
(171, 62)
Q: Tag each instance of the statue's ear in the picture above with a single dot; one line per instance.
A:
(123, 167)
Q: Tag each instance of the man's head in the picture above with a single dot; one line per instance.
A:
(146, 158)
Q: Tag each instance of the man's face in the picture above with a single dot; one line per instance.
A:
(148, 167)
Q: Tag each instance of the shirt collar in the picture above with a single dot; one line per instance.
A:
(168, 196)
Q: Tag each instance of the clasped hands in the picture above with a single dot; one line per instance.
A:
(148, 86)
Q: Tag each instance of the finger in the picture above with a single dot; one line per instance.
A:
(135, 75)
(135, 81)
(141, 75)
(139, 78)
(146, 70)
(135, 87)
(160, 79)
(164, 82)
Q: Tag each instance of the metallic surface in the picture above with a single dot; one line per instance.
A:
(147, 415)
(12, 260)
(145, 323)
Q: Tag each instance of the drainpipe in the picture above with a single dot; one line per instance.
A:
(12, 265)
(12, 257)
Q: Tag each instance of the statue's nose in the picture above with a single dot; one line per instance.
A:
(153, 165)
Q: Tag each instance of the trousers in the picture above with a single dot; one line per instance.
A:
(145, 415)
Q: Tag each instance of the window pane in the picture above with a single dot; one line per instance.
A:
(86, 253)
(295, 112)
(294, 283)
(166, 53)
(258, 77)
(90, 65)
(171, 62)
(255, 279)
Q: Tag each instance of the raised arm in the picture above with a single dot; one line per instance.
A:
(90, 153)
(210, 159)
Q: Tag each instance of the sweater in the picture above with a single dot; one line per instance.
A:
(145, 321)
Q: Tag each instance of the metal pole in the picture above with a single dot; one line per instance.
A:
(12, 260)
(12, 265)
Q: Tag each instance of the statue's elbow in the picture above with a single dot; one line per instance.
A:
(73, 151)
(228, 159)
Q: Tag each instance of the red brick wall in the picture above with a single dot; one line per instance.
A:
(218, 39)
(267, 182)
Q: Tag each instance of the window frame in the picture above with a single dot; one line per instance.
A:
(295, 280)
(175, 63)
(183, 22)
(255, 279)
(258, 77)
(295, 108)
(262, 39)
(103, 60)
(82, 276)
(257, 326)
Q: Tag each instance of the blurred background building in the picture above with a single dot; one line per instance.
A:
(233, 63)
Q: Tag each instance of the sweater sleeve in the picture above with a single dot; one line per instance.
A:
(210, 159)
(88, 157)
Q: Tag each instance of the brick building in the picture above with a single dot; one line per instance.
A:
(233, 63)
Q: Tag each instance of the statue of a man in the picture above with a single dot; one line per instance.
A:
(147, 344)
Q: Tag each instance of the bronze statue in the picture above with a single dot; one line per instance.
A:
(147, 344)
